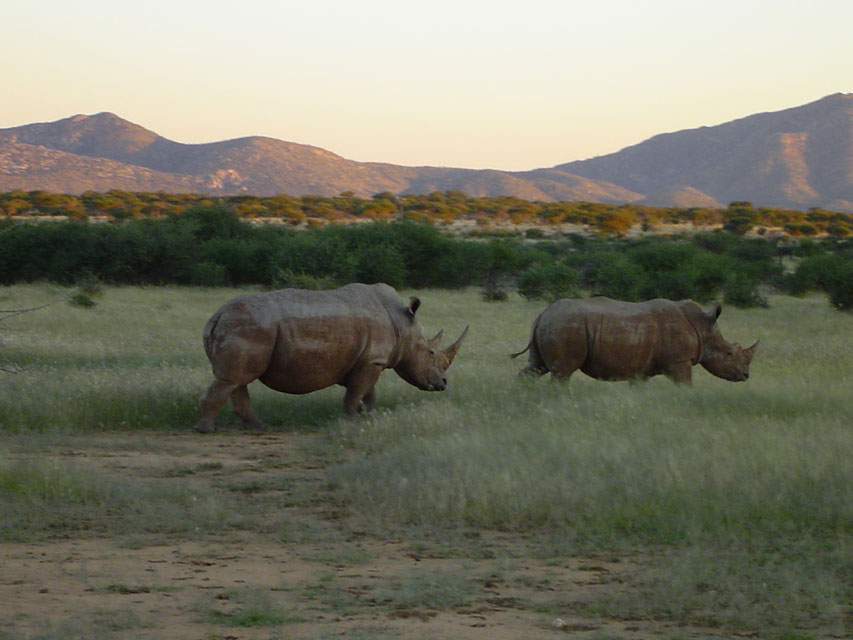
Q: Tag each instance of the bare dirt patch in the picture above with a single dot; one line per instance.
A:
(298, 567)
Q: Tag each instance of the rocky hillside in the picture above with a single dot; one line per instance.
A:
(798, 158)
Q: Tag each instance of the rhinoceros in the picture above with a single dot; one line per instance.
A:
(614, 340)
(298, 341)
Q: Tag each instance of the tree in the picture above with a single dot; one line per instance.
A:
(740, 217)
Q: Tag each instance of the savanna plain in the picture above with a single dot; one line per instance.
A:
(502, 508)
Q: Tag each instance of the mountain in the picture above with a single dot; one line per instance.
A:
(797, 158)
(102, 152)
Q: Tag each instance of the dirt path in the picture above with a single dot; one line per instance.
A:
(317, 577)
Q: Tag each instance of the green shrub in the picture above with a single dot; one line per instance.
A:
(208, 274)
(813, 273)
(286, 279)
(741, 290)
(549, 281)
(618, 277)
(380, 263)
(839, 285)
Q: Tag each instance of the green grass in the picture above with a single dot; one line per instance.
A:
(250, 607)
(43, 499)
(743, 492)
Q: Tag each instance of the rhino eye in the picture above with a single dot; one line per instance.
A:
(432, 352)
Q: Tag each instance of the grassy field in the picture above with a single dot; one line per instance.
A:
(732, 503)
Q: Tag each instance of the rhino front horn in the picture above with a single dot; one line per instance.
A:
(750, 351)
(454, 348)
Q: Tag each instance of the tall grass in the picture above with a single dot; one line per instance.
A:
(655, 461)
(40, 499)
(134, 361)
(748, 487)
(746, 484)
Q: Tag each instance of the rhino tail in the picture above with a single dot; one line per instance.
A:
(525, 350)
(530, 340)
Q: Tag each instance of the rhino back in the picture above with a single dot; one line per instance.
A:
(614, 340)
(300, 341)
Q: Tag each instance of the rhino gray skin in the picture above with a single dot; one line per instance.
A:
(298, 341)
(613, 340)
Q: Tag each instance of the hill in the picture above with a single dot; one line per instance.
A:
(796, 158)
(102, 152)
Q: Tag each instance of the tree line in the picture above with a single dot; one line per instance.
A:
(435, 208)
(212, 246)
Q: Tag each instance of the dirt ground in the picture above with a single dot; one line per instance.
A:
(328, 580)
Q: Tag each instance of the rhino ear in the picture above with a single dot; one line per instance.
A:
(414, 303)
(714, 313)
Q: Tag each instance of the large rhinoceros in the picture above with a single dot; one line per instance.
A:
(613, 340)
(298, 341)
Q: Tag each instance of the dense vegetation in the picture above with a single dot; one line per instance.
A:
(437, 207)
(212, 246)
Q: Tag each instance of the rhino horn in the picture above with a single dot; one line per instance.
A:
(454, 348)
(750, 351)
(434, 342)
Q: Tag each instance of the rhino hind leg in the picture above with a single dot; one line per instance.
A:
(535, 364)
(214, 398)
(243, 408)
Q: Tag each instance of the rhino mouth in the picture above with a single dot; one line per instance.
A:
(436, 386)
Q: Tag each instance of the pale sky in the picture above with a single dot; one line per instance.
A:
(460, 83)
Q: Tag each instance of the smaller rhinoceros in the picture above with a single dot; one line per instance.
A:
(613, 340)
(298, 341)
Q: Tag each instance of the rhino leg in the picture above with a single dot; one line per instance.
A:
(243, 408)
(369, 400)
(680, 373)
(217, 394)
(535, 364)
(361, 392)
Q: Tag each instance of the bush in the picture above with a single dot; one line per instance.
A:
(380, 263)
(286, 279)
(205, 223)
(839, 285)
(813, 273)
(549, 281)
(208, 274)
(618, 277)
(742, 291)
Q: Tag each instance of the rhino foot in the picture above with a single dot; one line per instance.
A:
(205, 426)
(255, 425)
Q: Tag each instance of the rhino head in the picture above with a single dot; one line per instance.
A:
(423, 364)
(721, 358)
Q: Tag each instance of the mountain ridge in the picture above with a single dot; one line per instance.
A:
(800, 157)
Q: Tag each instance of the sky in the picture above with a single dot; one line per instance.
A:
(459, 83)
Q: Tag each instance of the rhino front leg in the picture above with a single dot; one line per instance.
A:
(361, 390)
(680, 373)
(369, 400)
(243, 408)
(217, 394)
